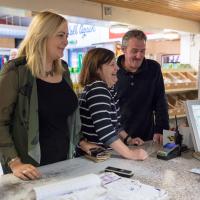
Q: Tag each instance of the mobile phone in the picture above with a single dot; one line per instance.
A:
(119, 171)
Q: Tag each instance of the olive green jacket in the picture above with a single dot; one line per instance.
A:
(19, 127)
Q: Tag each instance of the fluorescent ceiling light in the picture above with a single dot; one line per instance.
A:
(155, 36)
(164, 36)
(118, 28)
(171, 36)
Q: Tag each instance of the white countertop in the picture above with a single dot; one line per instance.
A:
(172, 176)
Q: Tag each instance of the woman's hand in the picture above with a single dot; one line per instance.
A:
(126, 152)
(86, 146)
(138, 154)
(24, 171)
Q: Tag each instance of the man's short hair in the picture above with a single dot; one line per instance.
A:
(135, 33)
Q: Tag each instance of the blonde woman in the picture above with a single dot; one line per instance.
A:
(39, 119)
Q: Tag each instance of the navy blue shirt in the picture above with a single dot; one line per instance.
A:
(142, 99)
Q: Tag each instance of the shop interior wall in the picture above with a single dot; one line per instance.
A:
(194, 55)
(83, 8)
(7, 43)
(156, 49)
(80, 8)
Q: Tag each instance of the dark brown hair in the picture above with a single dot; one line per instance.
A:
(93, 60)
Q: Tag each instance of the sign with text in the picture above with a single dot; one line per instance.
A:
(82, 35)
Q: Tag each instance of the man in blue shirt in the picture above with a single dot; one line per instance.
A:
(141, 90)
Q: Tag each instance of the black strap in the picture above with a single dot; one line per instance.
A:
(126, 140)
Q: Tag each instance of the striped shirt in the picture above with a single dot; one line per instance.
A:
(100, 113)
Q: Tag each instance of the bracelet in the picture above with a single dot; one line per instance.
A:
(12, 160)
(126, 140)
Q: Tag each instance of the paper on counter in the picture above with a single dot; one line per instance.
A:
(66, 186)
(195, 170)
(128, 189)
(93, 193)
(103, 187)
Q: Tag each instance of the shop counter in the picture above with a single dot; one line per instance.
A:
(172, 176)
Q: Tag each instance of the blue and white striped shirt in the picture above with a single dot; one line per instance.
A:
(100, 113)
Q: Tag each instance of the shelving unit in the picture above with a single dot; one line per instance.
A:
(182, 90)
(180, 85)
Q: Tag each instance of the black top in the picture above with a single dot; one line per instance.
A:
(56, 101)
(142, 99)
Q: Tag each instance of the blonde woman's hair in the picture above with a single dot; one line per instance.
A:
(34, 45)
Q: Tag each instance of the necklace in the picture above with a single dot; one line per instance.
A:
(49, 73)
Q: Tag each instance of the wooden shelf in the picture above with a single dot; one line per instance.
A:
(180, 84)
(178, 116)
(178, 70)
(180, 90)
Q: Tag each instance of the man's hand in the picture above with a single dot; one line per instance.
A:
(158, 138)
(136, 141)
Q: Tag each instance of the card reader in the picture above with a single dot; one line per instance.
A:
(172, 150)
(169, 153)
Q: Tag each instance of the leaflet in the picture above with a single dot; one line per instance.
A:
(106, 186)
(66, 186)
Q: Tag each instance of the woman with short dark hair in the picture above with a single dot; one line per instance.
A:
(99, 108)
